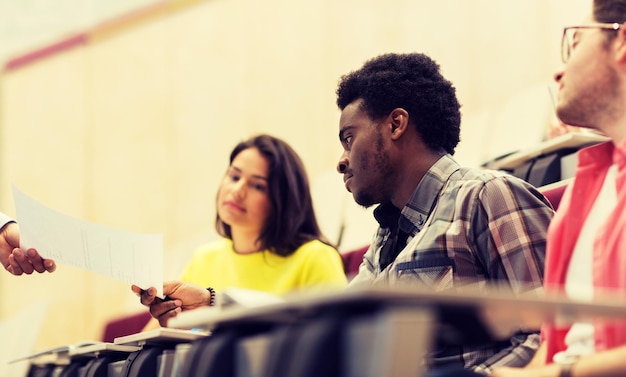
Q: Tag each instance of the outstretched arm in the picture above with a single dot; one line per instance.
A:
(180, 295)
(16, 260)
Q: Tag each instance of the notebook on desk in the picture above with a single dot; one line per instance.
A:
(101, 348)
(57, 355)
(569, 140)
(160, 336)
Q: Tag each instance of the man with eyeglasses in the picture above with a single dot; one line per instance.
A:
(14, 259)
(586, 254)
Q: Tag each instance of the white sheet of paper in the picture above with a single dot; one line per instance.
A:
(130, 257)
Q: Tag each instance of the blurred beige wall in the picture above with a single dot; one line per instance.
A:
(133, 129)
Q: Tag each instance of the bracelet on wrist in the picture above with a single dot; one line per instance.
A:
(212, 299)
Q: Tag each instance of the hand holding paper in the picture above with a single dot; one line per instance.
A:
(129, 257)
(15, 260)
(179, 296)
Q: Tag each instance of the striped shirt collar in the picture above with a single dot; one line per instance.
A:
(421, 203)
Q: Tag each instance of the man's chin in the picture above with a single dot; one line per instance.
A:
(363, 200)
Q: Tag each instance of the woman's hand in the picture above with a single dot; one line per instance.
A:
(179, 296)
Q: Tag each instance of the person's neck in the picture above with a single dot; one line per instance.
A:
(617, 136)
(245, 242)
(612, 124)
(411, 176)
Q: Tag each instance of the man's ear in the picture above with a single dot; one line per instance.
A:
(620, 44)
(399, 119)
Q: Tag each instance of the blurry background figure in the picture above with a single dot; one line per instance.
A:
(558, 128)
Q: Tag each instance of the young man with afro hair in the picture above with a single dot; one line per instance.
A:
(442, 226)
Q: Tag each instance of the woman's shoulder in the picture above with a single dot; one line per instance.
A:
(316, 244)
(320, 263)
(316, 247)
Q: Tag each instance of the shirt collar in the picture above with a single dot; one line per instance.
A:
(387, 215)
(619, 154)
(603, 154)
(596, 155)
(414, 214)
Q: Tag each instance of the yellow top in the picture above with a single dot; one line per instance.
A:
(312, 265)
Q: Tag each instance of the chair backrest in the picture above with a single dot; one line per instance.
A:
(126, 325)
(352, 260)
(554, 192)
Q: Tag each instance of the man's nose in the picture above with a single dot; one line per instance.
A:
(342, 165)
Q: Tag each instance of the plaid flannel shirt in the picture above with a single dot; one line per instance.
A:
(467, 226)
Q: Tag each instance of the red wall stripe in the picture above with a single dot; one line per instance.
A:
(28, 58)
(98, 32)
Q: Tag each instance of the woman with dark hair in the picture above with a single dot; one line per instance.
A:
(271, 239)
(290, 220)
